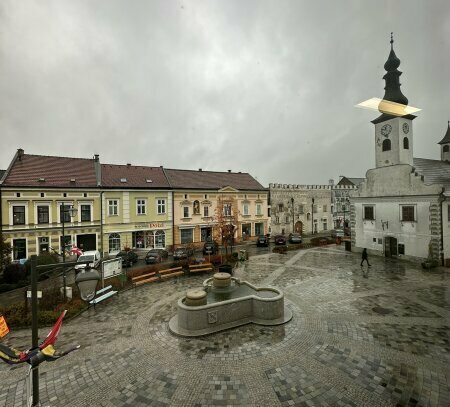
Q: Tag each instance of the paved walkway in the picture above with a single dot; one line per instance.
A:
(359, 337)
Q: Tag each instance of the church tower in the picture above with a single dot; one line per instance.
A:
(445, 145)
(393, 128)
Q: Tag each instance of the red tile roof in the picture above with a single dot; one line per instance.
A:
(133, 176)
(46, 171)
(190, 179)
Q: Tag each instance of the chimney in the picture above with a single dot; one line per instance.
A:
(98, 170)
(20, 153)
(229, 170)
(128, 165)
(200, 169)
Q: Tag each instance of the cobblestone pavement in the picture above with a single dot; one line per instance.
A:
(359, 337)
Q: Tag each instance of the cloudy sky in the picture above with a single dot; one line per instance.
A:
(265, 87)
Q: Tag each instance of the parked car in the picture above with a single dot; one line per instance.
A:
(129, 257)
(156, 256)
(210, 247)
(295, 238)
(183, 253)
(92, 257)
(262, 241)
(280, 239)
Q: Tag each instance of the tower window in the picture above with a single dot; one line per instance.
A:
(386, 145)
(445, 149)
(406, 143)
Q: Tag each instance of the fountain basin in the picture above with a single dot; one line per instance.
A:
(230, 307)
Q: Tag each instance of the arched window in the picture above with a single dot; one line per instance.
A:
(114, 242)
(406, 143)
(445, 149)
(160, 238)
(386, 145)
(308, 216)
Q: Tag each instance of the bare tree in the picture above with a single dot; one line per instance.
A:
(226, 221)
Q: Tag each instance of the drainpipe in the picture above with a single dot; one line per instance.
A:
(442, 199)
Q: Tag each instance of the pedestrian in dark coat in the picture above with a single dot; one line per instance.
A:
(365, 257)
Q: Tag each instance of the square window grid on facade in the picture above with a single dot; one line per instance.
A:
(186, 212)
(258, 209)
(43, 214)
(148, 239)
(141, 206)
(206, 211)
(187, 236)
(113, 207)
(369, 212)
(18, 215)
(161, 206)
(64, 213)
(85, 213)
(407, 213)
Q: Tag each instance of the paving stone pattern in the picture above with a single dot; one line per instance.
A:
(359, 337)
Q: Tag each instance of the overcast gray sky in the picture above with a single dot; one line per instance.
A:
(265, 87)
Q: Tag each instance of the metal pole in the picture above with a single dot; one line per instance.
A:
(63, 208)
(293, 214)
(34, 327)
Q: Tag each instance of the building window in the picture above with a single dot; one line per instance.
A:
(114, 242)
(42, 195)
(369, 212)
(206, 211)
(205, 234)
(64, 213)
(301, 210)
(17, 194)
(85, 213)
(314, 208)
(386, 145)
(325, 225)
(187, 236)
(161, 206)
(113, 207)
(445, 149)
(258, 209)
(277, 219)
(308, 216)
(280, 208)
(288, 220)
(245, 209)
(43, 214)
(259, 229)
(141, 206)
(401, 248)
(407, 213)
(324, 209)
(18, 215)
(206, 196)
(19, 249)
(406, 143)
(227, 209)
(246, 230)
(186, 212)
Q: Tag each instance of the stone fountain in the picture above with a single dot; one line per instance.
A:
(226, 302)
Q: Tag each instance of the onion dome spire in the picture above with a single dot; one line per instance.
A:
(446, 139)
(392, 78)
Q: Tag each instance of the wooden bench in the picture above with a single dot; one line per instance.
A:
(169, 273)
(102, 294)
(201, 268)
(144, 278)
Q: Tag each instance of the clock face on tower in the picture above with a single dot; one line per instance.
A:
(386, 129)
(405, 128)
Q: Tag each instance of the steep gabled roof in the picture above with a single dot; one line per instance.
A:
(433, 171)
(133, 176)
(30, 170)
(350, 181)
(190, 179)
(2, 173)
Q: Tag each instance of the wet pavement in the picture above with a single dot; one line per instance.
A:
(376, 336)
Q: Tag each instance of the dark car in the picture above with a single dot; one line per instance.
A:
(210, 247)
(156, 256)
(182, 253)
(295, 238)
(280, 239)
(129, 257)
(262, 241)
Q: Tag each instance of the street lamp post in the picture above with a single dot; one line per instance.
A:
(293, 214)
(312, 217)
(72, 212)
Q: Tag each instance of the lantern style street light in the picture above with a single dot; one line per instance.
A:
(293, 214)
(71, 211)
(86, 282)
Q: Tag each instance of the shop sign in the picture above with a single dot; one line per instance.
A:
(155, 225)
(3, 327)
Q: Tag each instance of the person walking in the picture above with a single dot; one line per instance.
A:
(365, 257)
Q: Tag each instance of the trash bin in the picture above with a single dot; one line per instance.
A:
(226, 268)
(348, 245)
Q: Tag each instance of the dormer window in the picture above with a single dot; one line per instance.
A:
(406, 143)
(123, 180)
(386, 145)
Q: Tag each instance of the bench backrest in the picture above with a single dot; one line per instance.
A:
(142, 276)
(103, 290)
(173, 270)
(196, 266)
